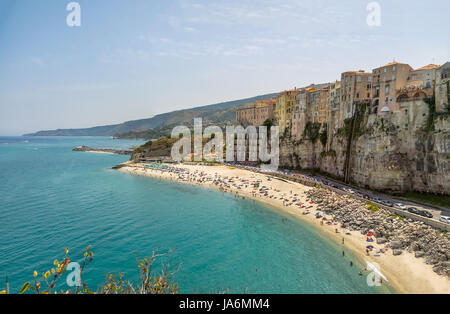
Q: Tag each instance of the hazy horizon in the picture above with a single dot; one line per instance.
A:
(133, 60)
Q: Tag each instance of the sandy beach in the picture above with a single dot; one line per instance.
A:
(405, 273)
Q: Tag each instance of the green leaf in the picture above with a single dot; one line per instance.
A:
(24, 288)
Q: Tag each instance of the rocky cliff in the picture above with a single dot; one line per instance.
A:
(405, 151)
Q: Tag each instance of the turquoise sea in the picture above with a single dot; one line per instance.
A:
(52, 198)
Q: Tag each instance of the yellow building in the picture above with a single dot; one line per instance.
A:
(324, 99)
(285, 106)
(333, 106)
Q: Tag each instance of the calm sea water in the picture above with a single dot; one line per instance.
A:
(52, 198)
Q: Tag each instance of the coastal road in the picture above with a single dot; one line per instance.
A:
(374, 197)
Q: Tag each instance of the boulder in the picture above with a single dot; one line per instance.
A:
(438, 269)
(381, 240)
(419, 254)
(397, 252)
(395, 244)
(446, 264)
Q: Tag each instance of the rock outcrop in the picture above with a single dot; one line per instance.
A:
(399, 152)
(396, 233)
(102, 150)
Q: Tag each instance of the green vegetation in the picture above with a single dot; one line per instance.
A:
(372, 207)
(149, 282)
(268, 123)
(344, 131)
(311, 131)
(324, 135)
(442, 201)
(432, 114)
(160, 147)
(396, 216)
(429, 124)
(357, 119)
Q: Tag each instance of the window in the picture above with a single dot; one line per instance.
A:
(393, 77)
(387, 90)
(385, 70)
(394, 68)
(358, 78)
(369, 79)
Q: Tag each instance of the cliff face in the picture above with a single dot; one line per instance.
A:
(404, 151)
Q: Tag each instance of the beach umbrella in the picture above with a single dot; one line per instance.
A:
(369, 246)
(370, 234)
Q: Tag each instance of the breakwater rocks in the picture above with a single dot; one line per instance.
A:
(102, 150)
(392, 232)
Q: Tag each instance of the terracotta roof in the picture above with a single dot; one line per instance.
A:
(393, 63)
(428, 67)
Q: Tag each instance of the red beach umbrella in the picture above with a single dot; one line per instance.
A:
(370, 234)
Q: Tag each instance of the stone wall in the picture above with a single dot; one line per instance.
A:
(394, 153)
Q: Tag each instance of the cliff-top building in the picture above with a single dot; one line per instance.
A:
(333, 106)
(256, 113)
(386, 90)
(420, 84)
(302, 112)
(443, 87)
(387, 80)
(285, 105)
(356, 86)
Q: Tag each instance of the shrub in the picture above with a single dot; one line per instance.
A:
(149, 282)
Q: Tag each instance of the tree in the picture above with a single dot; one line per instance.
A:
(268, 123)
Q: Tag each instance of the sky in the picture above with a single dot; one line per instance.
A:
(133, 59)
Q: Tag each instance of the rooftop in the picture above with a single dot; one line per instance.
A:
(428, 67)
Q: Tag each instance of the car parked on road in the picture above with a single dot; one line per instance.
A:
(400, 205)
(425, 213)
(413, 210)
(445, 217)
(387, 203)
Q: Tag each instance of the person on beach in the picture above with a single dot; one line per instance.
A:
(351, 264)
(343, 240)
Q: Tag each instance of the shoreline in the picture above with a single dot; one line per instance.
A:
(405, 273)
